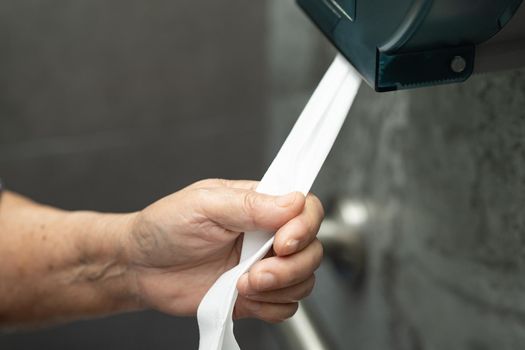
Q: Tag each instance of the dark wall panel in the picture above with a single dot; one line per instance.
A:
(108, 105)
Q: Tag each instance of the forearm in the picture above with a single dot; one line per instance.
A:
(58, 265)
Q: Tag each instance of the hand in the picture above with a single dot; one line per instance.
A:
(180, 245)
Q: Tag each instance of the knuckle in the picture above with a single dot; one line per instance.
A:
(205, 183)
(252, 276)
(303, 226)
(250, 203)
(199, 183)
(258, 269)
(223, 182)
(242, 288)
(294, 274)
(202, 200)
(201, 194)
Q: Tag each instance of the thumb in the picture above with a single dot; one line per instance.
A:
(246, 210)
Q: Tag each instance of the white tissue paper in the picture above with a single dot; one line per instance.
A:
(294, 169)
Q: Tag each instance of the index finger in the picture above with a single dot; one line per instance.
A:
(214, 183)
(300, 231)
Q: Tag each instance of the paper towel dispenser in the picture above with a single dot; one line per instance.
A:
(405, 44)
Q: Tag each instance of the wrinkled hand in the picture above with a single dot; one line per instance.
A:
(180, 245)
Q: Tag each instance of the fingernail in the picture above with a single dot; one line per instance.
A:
(291, 246)
(286, 200)
(265, 281)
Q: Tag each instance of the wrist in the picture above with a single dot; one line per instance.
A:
(102, 261)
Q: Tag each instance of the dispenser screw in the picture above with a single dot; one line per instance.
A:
(458, 64)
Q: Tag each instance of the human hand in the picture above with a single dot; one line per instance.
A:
(178, 247)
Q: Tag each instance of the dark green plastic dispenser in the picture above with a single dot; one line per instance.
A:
(400, 44)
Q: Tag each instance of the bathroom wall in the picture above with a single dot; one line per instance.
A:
(442, 171)
(110, 105)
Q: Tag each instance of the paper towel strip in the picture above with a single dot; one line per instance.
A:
(294, 169)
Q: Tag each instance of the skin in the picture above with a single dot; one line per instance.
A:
(59, 265)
